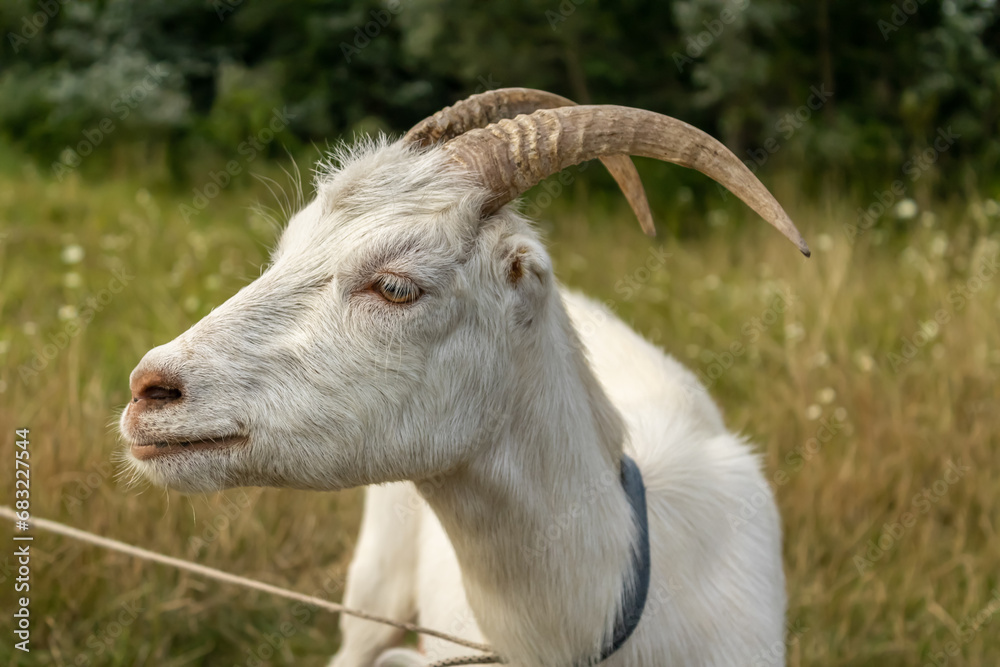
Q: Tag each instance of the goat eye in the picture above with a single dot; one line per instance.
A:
(396, 289)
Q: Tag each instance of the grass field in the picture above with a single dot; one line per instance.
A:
(867, 375)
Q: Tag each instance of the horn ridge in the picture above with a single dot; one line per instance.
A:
(513, 155)
(482, 109)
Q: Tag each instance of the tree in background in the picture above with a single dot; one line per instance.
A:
(828, 84)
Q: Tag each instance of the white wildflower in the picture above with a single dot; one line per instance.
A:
(906, 209)
(72, 254)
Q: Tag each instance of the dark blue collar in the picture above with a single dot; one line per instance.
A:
(637, 585)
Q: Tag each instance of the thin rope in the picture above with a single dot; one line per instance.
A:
(219, 575)
(492, 659)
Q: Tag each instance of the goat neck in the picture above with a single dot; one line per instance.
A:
(539, 521)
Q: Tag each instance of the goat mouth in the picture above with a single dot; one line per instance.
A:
(145, 451)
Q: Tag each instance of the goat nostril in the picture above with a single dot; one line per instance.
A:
(153, 389)
(157, 393)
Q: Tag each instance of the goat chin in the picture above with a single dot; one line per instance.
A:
(401, 657)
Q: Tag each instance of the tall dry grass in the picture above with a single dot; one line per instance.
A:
(852, 439)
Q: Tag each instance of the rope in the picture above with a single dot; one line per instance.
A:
(219, 575)
(491, 659)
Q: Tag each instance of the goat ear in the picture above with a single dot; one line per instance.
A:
(525, 261)
(527, 271)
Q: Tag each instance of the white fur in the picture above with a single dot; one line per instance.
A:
(508, 402)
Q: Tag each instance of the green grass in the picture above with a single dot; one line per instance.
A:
(824, 357)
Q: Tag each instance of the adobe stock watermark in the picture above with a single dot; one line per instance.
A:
(79, 491)
(491, 421)
(545, 538)
(913, 169)
(900, 14)
(462, 620)
(363, 35)
(920, 504)
(224, 8)
(103, 640)
(660, 596)
(558, 16)
(750, 333)
(787, 126)
(486, 83)
(220, 523)
(957, 298)
(551, 189)
(121, 107)
(784, 129)
(273, 642)
(32, 24)
(89, 309)
(967, 631)
(249, 149)
(697, 44)
(750, 506)
(983, 406)
(630, 285)
(264, 652)
(6, 570)
(776, 652)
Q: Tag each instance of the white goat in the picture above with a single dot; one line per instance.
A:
(410, 328)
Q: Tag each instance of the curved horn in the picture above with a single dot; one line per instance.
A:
(480, 110)
(512, 155)
(483, 109)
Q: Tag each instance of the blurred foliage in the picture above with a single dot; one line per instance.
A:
(889, 75)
